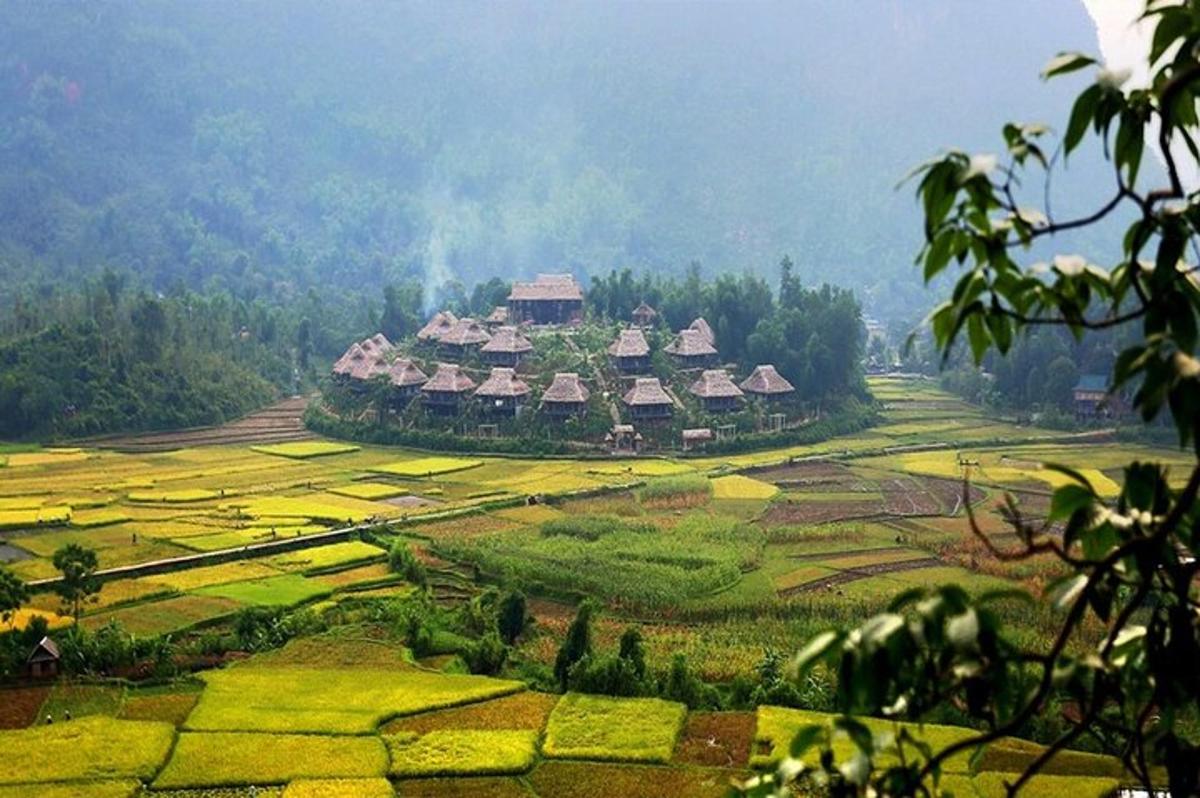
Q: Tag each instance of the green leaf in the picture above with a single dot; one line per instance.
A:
(1066, 62)
(1082, 114)
(805, 739)
(1068, 500)
(816, 649)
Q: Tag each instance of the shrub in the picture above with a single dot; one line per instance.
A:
(577, 643)
(402, 561)
(487, 655)
(511, 616)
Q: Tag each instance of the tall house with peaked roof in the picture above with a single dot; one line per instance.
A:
(549, 299)
(436, 327)
(716, 392)
(506, 348)
(446, 390)
(463, 336)
(502, 394)
(691, 349)
(407, 378)
(765, 382)
(630, 353)
(643, 316)
(567, 396)
(647, 400)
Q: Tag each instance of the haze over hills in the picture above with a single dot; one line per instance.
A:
(267, 148)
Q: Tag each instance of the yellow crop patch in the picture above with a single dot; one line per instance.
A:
(303, 450)
(91, 748)
(174, 496)
(350, 551)
(36, 516)
(426, 466)
(193, 578)
(339, 788)
(23, 617)
(46, 457)
(369, 490)
(643, 468)
(221, 759)
(100, 517)
(737, 486)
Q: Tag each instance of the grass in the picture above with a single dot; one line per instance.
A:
(737, 486)
(462, 752)
(221, 759)
(371, 491)
(82, 700)
(613, 729)
(675, 492)
(343, 701)
(339, 788)
(170, 708)
(302, 450)
(426, 466)
(89, 749)
(165, 615)
(283, 590)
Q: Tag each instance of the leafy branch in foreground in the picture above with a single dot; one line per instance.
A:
(1124, 657)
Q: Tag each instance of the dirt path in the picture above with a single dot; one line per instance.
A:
(282, 421)
(854, 574)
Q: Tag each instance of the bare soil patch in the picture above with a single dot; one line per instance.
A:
(19, 706)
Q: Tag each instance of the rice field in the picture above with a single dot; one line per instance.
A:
(216, 759)
(613, 729)
(88, 749)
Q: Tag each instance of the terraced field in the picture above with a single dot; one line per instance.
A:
(718, 558)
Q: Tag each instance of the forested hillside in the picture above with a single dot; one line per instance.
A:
(269, 148)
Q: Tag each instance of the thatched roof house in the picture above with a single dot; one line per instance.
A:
(630, 352)
(463, 335)
(446, 388)
(767, 383)
(497, 317)
(644, 315)
(438, 326)
(502, 392)
(406, 376)
(381, 342)
(695, 437)
(647, 399)
(567, 395)
(716, 391)
(700, 325)
(506, 347)
(344, 365)
(43, 660)
(549, 299)
(691, 349)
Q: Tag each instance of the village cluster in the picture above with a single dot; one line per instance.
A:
(503, 342)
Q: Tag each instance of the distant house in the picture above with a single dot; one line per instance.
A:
(696, 438)
(438, 326)
(643, 316)
(549, 299)
(567, 396)
(630, 353)
(716, 392)
(1093, 400)
(344, 366)
(701, 326)
(502, 394)
(498, 317)
(647, 400)
(692, 349)
(43, 661)
(463, 336)
(406, 378)
(444, 392)
(767, 383)
(506, 348)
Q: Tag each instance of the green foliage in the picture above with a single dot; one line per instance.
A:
(487, 655)
(681, 684)
(78, 584)
(1131, 560)
(576, 645)
(13, 593)
(511, 616)
(402, 561)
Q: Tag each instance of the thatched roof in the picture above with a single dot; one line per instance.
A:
(499, 315)
(644, 312)
(381, 342)
(438, 326)
(647, 391)
(629, 343)
(502, 382)
(345, 363)
(566, 388)
(701, 326)
(465, 332)
(690, 343)
(698, 434)
(765, 380)
(377, 366)
(508, 339)
(449, 378)
(715, 384)
(551, 287)
(404, 373)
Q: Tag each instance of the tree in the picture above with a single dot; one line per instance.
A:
(13, 593)
(576, 644)
(633, 651)
(78, 584)
(511, 616)
(1133, 559)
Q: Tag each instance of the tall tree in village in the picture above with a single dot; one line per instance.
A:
(13, 593)
(78, 583)
(1124, 659)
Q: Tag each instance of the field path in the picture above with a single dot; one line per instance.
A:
(282, 421)
(854, 574)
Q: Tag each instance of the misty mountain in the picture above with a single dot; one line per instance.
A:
(268, 148)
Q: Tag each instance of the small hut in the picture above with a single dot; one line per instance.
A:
(623, 438)
(630, 352)
(647, 400)
(462, 337)
(407, 378)
(767, 383)
(696, 438)
(567, 396)
(43, 661)
(716, 392)
(691, 349)
(502, 394)
(445, 391)
(506, 348)
(549, 299)
(643, 316)
(497, 318)
(438, 326)
(700, 325)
